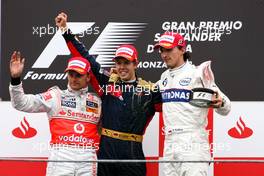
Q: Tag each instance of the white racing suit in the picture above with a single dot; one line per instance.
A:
(73, 118)
(185, 135)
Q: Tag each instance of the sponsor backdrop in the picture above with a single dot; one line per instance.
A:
(229, 33)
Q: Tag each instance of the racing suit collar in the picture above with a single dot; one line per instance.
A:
(180, 67)
(129, 82)
(77, 92)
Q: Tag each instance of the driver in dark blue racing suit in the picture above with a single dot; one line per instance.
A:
(128, 105)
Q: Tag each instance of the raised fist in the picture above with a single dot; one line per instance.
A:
(61, 21)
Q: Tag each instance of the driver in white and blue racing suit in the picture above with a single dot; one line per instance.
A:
(186, 137)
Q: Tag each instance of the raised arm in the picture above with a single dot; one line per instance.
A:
(20, 100)
(100, 76)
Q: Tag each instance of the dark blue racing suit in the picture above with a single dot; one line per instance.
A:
(128, 112)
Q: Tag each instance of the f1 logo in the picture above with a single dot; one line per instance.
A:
(57, 45)
(113, 35)
(201, 95)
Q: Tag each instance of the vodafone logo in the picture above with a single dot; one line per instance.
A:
(24, 130)
(240, 130)
(79, 128)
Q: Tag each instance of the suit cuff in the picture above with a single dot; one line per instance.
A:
(15, 81)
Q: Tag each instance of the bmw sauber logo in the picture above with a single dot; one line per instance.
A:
(165, 82)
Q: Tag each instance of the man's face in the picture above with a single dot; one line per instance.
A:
(172, 57)
(125, 69)
(77, 81)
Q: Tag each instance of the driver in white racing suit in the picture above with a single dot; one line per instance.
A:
(186, 137)
(73, 117)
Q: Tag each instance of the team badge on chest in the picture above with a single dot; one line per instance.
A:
(92, 105)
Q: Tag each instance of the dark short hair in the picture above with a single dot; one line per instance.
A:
(186, 55)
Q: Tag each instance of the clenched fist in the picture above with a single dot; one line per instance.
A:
(61, 21)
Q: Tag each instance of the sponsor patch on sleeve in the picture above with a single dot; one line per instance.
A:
(46, 95)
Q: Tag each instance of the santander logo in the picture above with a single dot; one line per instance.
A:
(240, 130)
(62, 112)
(24, 130)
